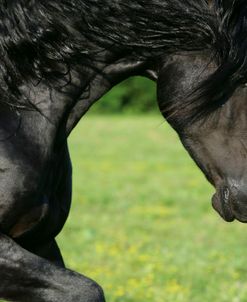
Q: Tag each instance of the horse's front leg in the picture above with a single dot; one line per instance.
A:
(27, 277)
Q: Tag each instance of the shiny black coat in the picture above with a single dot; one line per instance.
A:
(57, 59)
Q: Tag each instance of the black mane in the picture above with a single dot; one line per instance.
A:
(230, 54)
(41, 40)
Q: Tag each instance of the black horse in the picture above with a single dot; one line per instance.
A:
(58, 57)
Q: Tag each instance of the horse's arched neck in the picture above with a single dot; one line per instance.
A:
(106, 77)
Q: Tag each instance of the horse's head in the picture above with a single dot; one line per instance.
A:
(216, 141)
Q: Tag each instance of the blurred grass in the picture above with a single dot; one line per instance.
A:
(141, 223)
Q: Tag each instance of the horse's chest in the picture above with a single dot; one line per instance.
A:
(42, 210)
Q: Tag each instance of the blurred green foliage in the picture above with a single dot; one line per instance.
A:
(135, 95)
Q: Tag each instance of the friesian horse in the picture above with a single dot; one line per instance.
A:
(58, 57)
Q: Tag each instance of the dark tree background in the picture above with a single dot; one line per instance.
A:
(135, 95)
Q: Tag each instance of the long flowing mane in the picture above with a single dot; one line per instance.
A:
(230, 54)
(43, 40)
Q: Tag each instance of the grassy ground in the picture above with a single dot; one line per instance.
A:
(141, 222)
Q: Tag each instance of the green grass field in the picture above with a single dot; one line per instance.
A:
(141, 222)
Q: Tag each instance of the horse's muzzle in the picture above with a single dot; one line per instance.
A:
(231, 203)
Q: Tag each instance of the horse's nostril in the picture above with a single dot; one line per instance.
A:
(233, 201)
(225, 192)
(220, 202)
